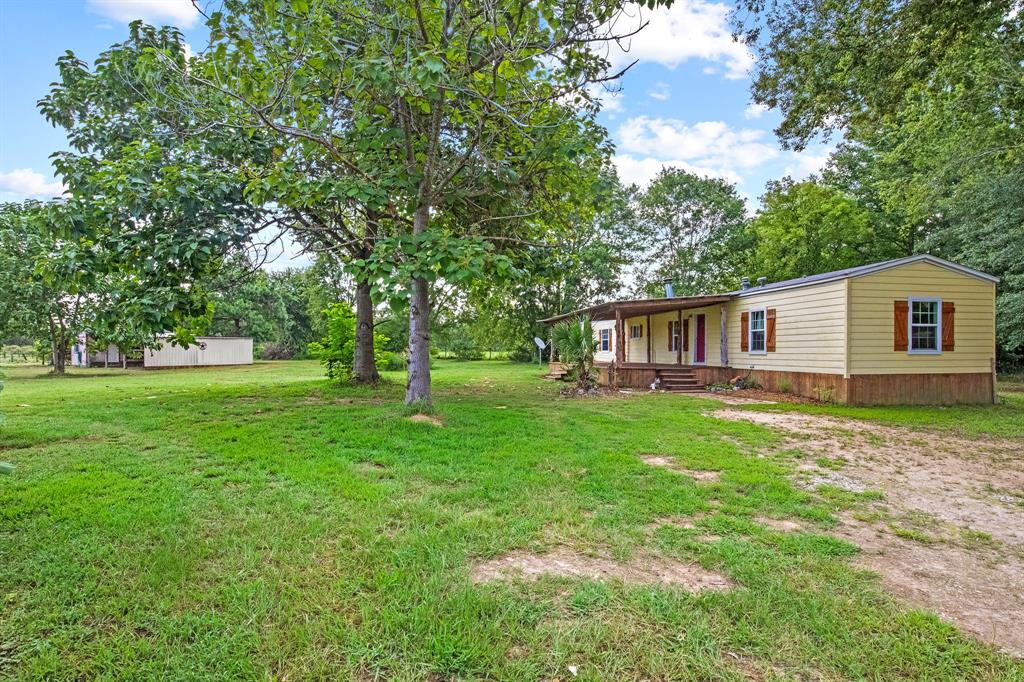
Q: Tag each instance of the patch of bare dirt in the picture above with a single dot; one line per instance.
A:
(980, 590)
(783, 525)
(964, 555)
(955, 479)
(737, 398)
(641, 570)
(684, 522)
(426, 419)
(670, 463)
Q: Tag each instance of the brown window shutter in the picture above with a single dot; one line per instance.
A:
(745, 332)
(686, 334)
(669, 342)
(770, 330)
(948, 313)
(899, 325)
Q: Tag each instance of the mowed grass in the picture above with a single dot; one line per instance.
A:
(262, 523)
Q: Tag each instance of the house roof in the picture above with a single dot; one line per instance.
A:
(651, 306)
(862, 270)
(640, 306)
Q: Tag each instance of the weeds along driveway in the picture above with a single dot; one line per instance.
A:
(260, 522)
(946, 528)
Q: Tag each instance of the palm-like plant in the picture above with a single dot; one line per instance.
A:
(576, 346)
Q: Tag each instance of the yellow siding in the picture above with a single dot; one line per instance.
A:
(810, 329)
(871, 323)
(636, 349)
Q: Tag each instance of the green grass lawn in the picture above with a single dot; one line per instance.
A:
(260, 522)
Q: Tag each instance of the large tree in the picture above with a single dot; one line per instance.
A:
(440, 117)
(159, 214)
(805, 228)
(694, 233)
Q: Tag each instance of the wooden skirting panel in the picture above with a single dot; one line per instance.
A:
(867, 389)
(920, 389)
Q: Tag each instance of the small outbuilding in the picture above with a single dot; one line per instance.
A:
(916, 330)
(207, 351)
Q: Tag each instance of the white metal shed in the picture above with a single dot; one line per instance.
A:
(207, 351)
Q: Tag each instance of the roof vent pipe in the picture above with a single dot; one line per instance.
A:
(761, 281)
(745, 283)
(668, 288)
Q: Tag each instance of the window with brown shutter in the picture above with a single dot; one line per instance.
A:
(899, 325)
(686, 335)
(948, 315)
(744, 331)
(770, 344)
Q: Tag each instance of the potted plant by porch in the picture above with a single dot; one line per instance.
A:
(576, 346)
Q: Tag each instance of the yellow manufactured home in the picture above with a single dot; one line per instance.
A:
(913, 330)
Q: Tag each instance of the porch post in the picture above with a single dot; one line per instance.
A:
(724, 342)
(648, 339)
(620, 340)
(679, 338)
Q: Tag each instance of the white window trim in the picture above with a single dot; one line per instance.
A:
(910, 325)
(677, 335)
(638, 326)
(601, 334)
(750, 331)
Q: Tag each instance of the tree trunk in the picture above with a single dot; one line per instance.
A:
(364, 366)
(56, 348)
(417, 388)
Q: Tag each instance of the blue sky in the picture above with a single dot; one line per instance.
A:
(685, 103)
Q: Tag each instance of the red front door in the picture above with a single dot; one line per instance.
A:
(698, 343)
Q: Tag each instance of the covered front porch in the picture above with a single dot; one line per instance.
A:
(669, 341)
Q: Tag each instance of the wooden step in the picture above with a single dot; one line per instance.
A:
(679, 388)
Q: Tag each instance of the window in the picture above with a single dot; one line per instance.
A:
(757, 331)
(673, 336)
(605, 336)
(636, 331)
(925, 325)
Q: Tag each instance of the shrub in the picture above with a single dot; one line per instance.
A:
(395, 362)
(277, 351)
(524, 352)
(465, 349)
(825, 394)
(337, 350)
(785, 386)
(574, 339)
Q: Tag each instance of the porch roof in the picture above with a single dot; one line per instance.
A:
(641, 306)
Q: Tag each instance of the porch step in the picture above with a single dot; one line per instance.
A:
(679, 380)
(556, 372)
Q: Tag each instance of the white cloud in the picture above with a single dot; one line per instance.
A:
(26, 183)
(178, 12)
(661, 92)
(643, 169)
(689, 29)
(803, 164)
(708, 143)
(754, 111)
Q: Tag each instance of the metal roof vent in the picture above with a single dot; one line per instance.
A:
(761, 281)
(745, 283)
(668, 288)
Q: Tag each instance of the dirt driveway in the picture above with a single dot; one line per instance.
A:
(948, 532)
